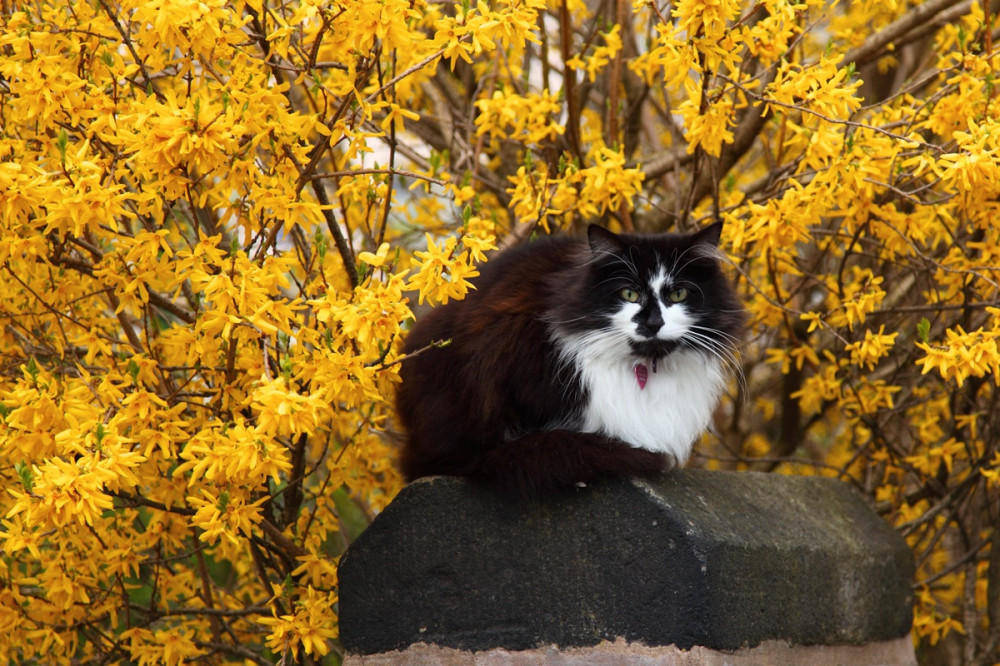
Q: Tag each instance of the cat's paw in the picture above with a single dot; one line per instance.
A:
(651, 464)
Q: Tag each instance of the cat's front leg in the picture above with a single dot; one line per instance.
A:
(559, 460)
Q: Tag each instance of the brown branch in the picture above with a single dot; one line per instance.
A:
(343, 247)
(293, 491)
(768, 101)
(410, 70)
(752, 121)
(290, 548)
(569, 82)
(206, 591)
(139, 500)
(915, 18)
(387, 172)
(261, 567)
(237, 650)
(993, 589)
(156, 298)
(663, 163)
(127, 40)
(208, 612)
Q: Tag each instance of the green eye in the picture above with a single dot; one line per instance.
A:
(630, 295)
(678, 295)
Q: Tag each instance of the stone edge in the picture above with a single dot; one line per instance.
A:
(897, 652)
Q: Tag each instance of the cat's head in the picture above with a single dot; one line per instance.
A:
(650, 295)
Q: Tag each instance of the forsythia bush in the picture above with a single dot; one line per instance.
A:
(215, 218)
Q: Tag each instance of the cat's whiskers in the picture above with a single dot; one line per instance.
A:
(630, 263)
(563, 322)
(600, 254)
(677, 259)
(590, 343)
(730, 362)
(732, 339)
(614, 279)
(699, 253)
(717, 347)
(725, 353)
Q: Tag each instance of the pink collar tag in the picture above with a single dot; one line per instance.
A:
(641, 374)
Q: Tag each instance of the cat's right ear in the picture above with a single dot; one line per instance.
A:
(710, 235)
(603, 241)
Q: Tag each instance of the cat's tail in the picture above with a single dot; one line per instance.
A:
(557, 460)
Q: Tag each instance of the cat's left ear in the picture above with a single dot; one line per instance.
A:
(710, 235)
(603, 241)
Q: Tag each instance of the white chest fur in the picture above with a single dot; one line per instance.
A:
(667, 415)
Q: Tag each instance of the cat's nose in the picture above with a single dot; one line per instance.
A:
(649, 322)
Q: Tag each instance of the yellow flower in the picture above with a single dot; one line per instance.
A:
(875, 346)
(992, 472)
(478, 239)
(378, 259)
(963, 355)
(225, 514)
(441, 275)
(608, 184)
(822, 87)
(311, 625)
(525, 117)
(321, 571)
(601, 55)
(709, 128)
(236, 453)
(64, 493)
(170, 646)
(394, 118)
(707, 18)
(283, 411)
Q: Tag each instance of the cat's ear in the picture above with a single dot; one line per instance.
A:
(603, 241)
(710, 235)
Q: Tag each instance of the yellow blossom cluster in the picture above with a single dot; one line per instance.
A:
(599, 57)
(524, 118)
(207, 262)
(608, 184)
(964, 355)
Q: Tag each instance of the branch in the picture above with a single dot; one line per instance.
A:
(293, 491)
(343, 247)
(767, 101)
(211, 612)
(749, 127)
(388, 172)
(291, 549)
(569, 81)
(917, 17)
(156, 298)
(138, 500)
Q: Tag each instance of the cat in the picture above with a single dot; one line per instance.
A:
(572, 360)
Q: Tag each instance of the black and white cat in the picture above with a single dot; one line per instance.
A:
(572, 360)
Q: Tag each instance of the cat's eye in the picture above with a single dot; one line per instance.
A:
(678, 295)
(630, 295)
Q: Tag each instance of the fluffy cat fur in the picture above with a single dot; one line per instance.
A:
(574, 359)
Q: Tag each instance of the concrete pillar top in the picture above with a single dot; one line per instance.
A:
(721, 560)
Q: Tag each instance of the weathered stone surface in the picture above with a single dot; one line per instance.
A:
(713, 559)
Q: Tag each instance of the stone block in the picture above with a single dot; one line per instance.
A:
(714, 559)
